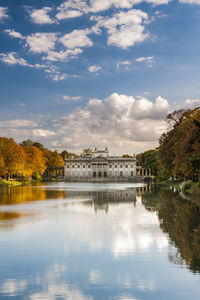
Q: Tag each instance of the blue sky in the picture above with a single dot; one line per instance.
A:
(78, 73)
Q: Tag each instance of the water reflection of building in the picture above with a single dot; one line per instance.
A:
(101, 200)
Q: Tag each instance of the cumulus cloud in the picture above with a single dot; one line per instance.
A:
(70, 98)
(124, 28)
(11, 58)
(13, 33)
(40, 16)
(76, 39)
(72, 9)
(42, 133)
(41, 42)
(191, 103)
(62, 55)
(117, 121)
(3, 13)
(147, 59)
(76, 8)
(94, 69)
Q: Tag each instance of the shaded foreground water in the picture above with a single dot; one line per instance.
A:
(84, 241)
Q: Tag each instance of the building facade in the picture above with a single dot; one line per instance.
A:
(100, 166)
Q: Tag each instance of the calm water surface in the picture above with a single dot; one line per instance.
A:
(84, 241)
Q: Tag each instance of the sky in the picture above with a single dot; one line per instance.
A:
(95, 73)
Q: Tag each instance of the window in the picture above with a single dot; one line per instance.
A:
(131, 166)
(126, 166)
(72, 166)
(83, 166)
(115, 166)
(131, 173)
(110, 166)
(78, 166)
(121, 166)
(89, 166)
(121, 173)
(68, 166)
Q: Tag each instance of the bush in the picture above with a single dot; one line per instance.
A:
(37, 177)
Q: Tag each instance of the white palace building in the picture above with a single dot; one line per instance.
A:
(100, 166)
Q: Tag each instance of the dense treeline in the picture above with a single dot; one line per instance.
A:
(29, 159)
(179, 150)
(178, 154)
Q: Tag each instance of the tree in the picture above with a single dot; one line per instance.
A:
(55, 160)
(12, 157)
(35, 161)
(149, 160)
(179, 147)
(27, 143)
(87, 151)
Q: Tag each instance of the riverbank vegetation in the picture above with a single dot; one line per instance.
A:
(177, 158)
(25, 161)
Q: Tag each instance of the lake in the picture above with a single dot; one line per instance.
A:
(84, 241)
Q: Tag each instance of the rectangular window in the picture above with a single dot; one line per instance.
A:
(121, 173)
(116, 173)
(72, 166)
(89, 166)
(115, 166)
(131, 166)
(94, 174)
(83, 166)
(99, 174)
(78, 166)
(89, 173)
(132, 173)
(110, 166)
(105, 174)
(121, 166)
(126, 166)
(68, 166)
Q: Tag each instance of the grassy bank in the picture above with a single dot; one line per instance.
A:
(10, 182)
(188, 187)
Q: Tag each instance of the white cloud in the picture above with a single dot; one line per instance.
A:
(14, 33)
(191, 103)
(124, 28)
(43, 133)
(70, 98)
(76, 39)
(118, 121)
(94, 69)
(123, 63)
(40, 16)
(62, 55)
(41, 42)
(68, 14)
(190, 1)
(3, 13)
(12, 59)
(72, 9)
(147, 59)
(18, 123)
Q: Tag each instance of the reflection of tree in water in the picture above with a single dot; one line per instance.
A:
(22, 194)
(181, 220)
(19, 195)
